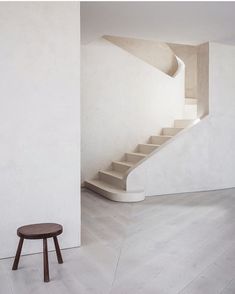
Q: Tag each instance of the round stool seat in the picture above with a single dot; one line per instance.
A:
(40, 231)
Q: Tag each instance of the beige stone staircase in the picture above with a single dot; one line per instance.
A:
(111, 183)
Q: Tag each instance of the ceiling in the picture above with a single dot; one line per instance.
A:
(175, 22)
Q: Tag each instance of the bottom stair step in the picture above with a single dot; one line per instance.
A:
(113, 193)
(112, 177)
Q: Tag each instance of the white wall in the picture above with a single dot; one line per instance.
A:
(203, 157)
(124, 102)
(39, 120)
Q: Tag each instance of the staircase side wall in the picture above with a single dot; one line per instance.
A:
(202, 157)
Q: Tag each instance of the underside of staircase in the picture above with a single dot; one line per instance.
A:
(111, 183)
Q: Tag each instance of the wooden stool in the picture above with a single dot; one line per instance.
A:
(40, 231)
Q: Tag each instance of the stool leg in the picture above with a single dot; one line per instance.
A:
(45, 261)
(18, 252)
(58, 252)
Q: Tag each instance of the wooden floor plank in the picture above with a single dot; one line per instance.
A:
(180, 243)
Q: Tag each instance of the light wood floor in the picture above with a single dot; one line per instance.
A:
(169, 244)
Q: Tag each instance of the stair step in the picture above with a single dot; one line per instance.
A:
(147, 148)
(190, 101)
(171, 131)
(134, 156)
(190, 111)
(183, 123)
(114, 193)
(159, 139)
(121, 166)
(112, 177)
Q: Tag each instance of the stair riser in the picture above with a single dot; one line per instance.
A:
(146, 149)
(182, 123)
(112, 180)
(170, 131)
(190, 101)
(133, 158)
(120, 167)
(158, 140)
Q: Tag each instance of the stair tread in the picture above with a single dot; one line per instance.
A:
(110, 188)
(126, 163)
(183, 123)
(164, 136)
(185, 119)
(137, 153)
(160, 139)
(113, 173)
(150, 144)
(114, 193)
(173, 128)
(105, 186)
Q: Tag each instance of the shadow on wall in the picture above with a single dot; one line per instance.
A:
(196, 59)
(157, 54)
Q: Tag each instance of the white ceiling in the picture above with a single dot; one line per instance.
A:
(176, 22)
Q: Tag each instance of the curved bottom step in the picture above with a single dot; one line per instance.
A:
(113, 193)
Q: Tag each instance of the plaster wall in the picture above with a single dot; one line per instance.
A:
(124, 101)
(39, 120)
(202, 157)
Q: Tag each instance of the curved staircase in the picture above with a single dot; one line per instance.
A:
(111, 183)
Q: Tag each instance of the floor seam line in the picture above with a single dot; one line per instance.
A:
(124, 240)
(226, 286)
